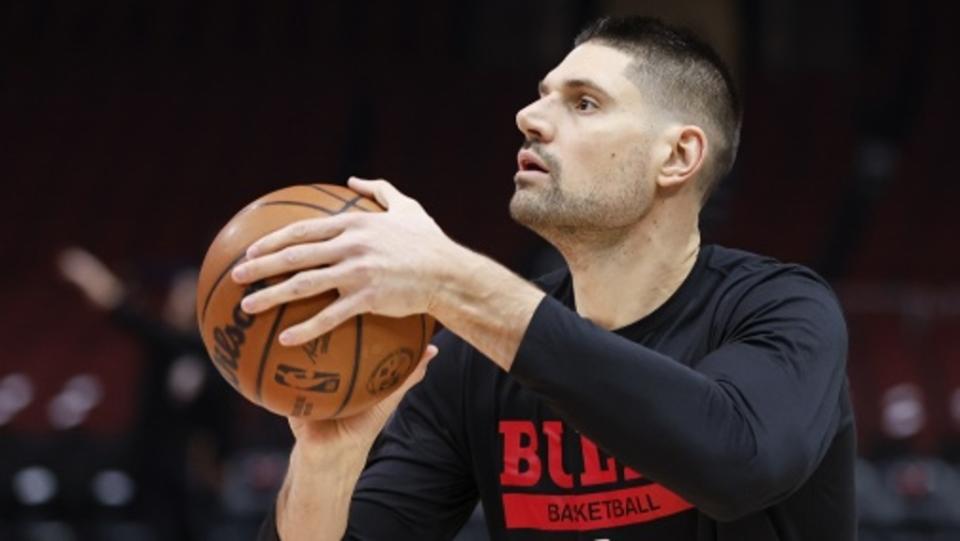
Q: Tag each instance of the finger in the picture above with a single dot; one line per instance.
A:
(299, 286)
(381, 190)
(310, 230)
(323, 322)
(289, 259)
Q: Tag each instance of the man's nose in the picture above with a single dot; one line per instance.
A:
(533, 124)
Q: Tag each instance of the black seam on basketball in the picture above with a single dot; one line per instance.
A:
(216, 283)
(233, 264)
(328, 192)
(350, 204)
(266, 349)
(356, 366)
(297, 204)
(423, 333)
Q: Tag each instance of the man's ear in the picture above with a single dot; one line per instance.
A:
(687, 154)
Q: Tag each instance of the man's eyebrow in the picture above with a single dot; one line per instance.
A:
(576, 84)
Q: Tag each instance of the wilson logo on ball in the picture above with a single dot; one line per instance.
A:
(230, 337)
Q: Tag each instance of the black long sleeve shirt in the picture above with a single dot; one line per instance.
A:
(723, 415)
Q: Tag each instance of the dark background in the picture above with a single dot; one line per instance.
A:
(136, 129)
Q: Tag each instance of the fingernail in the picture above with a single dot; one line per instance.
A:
(252, 250)
(239, 273)
(248, 304)
(286, 338)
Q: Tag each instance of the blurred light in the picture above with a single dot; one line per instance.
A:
(185, 378)
(70, 407)
(84, 390)
(904, 414)
(112, 488)
(64, 414)
(16, 393)
(34, 485)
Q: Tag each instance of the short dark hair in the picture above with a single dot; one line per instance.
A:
(687, 76)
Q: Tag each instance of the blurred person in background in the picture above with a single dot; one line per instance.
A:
(182, 424)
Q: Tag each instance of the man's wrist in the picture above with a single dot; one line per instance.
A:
(484, 303)
(452, 279)
(328, 459)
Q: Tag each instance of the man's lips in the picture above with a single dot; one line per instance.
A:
(528, 160)
(531, 176)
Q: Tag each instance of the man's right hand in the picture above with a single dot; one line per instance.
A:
(327, 460)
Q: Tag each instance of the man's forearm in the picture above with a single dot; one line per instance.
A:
(314, 501)
(486, 304)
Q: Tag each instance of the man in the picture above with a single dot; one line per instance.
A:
(656, 390)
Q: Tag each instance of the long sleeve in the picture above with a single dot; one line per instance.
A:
(736, 431)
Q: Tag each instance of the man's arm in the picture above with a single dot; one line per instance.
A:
(733, 435)
(736, 433)
(416, 484)
(314, 500)
(325, 464)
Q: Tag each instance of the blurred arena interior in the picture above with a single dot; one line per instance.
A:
(135, 129)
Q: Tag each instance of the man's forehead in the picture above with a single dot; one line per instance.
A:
(604, 65)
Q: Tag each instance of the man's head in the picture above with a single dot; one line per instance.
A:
(637, 112)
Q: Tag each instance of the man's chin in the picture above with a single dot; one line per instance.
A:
(528, 213)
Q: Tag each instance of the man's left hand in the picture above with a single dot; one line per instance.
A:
(389, 263)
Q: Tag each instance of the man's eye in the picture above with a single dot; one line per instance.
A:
(586, 104)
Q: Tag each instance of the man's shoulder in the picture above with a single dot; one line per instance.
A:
(741, 269)
(745, 284)
(731, 261)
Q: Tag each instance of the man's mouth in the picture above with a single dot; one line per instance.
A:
(528, 160)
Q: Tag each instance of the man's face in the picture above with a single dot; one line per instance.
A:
(585, 162)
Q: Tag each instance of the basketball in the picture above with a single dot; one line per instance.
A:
(336, 375)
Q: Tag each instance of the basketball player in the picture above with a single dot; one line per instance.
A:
(658, 389)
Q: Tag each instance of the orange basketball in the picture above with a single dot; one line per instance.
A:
(336, 375)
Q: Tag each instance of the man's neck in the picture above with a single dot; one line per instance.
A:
(632, 274)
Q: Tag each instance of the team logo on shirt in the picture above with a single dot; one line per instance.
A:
(604, 494)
